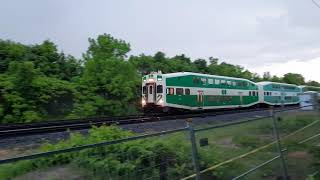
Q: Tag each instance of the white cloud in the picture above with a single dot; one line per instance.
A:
(310, 69)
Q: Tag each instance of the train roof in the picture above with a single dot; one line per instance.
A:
(269, 82)
(305, 86)
(207, 75)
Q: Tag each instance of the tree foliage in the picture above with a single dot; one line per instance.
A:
(292, 78)
(108, 83)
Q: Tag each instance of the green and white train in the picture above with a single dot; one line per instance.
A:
(194, 91)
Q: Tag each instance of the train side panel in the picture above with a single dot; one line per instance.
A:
(209, 92)
(278, 93)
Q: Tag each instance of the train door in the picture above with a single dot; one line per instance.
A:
(200, 99)
(283, 99)
(241, 98)
(150, 93)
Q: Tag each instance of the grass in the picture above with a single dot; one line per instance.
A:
(224, 144)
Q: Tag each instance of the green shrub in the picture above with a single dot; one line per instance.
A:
(124, 160)
(248, 141)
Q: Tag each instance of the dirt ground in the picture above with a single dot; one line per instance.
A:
(16, 151)
(54, 173)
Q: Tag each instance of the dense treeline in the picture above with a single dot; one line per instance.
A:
(39, 82)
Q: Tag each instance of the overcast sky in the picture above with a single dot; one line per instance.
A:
(279, 36)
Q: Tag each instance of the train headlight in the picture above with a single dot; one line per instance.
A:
(151, 80)
(143, 102)
(161, 101)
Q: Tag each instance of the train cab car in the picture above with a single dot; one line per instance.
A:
(152, 92)
(195, 91)
(273, 93)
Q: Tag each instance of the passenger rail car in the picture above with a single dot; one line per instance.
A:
(273, 93)
(309, 88)
(194, 91)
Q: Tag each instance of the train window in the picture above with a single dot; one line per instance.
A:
(287, 98)
(217, 81)
(204, 80)
(196, 80)
(277, 86)
(233, 83)
(229, 83)
(187, 91)
(249, 93)
(210, 81)
(159, 89)
(264, 93)
(245, 84)
(257, 93)
(150, 89)
(223, 82)
(253, 93)
(144, 89)
(170, 91)
(179, 91)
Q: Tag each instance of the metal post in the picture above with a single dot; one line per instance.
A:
(317, 102)
(276, 133)
(317, 107)
(194, 149)
(282, 98)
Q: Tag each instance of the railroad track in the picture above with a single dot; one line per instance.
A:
(22, 129)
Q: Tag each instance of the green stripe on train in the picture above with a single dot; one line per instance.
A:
(209, 100)
(277, 99)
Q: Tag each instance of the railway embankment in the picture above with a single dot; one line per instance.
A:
(222, 152)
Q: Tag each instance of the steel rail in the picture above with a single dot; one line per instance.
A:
(64, 125)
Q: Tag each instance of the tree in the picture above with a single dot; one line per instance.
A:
(109, 83)
(28, 96)
(266, 76)
(201, 65)
(52, 63)
(180, 63)
(11, 51)
(213, 61)
(183, 58)
(144, 64)
(159, 57)
(45, 57)
(292, 78)
(161, 62)
(276, 79)
(313, 83)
